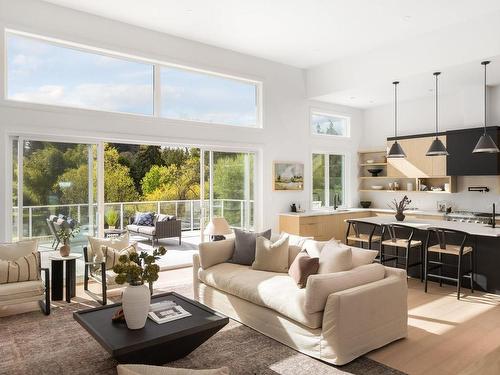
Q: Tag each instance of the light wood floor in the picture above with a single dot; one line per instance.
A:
(445, 336)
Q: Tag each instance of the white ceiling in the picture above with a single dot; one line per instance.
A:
(301, 33)
(351, 50)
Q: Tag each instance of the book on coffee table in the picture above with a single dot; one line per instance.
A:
(166, 311)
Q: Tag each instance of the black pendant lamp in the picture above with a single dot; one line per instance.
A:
(396, 150)
(485, 144)
(437, 147)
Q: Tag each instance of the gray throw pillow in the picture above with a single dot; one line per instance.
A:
(244, 246)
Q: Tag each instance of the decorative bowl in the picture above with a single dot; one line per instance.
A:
(370, 161)
(365, 204)
(377, 187)
(375, 171)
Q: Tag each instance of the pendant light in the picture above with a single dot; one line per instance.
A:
(485, 144)
(437, 147)
(396, 150)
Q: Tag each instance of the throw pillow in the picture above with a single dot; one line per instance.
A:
(160, 370)
(272, 257)
(15, 250)
(302, 267)
(293, 251)
(144, 219)
(112, 255)
(361, 257)
(314, 247)
(244, 246)
(294, 240)
(334, 258)
(24, 268)
(95, 246)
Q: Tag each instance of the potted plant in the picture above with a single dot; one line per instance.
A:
(111, 218)
(137, 269)
(400, 207)
(66, 234)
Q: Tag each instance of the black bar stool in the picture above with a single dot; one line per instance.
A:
(407, 243)
(443, 248)
(357, 236)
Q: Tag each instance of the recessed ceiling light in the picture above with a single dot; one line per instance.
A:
(352, 97)
(407, 18)
(372, 101)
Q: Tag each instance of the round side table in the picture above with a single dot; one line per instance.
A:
(57, 265)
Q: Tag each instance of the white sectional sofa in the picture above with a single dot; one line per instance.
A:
(336, 317)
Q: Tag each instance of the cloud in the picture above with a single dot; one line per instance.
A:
(122, 98)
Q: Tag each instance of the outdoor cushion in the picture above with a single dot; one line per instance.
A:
(162, 217)
(276, 291)
(133, 228)
(20, 290)
(144, 218)
(244, 246)
(147, 230)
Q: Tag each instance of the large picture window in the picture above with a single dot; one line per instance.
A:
(329, 124)
(328, 175)
(42, 72)
(196, 96)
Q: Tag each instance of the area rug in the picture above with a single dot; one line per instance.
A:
(34, 344)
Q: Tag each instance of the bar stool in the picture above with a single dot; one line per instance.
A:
(361, 238)
(443, 248)
(399, 242)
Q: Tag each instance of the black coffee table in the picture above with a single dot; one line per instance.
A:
(155, 344)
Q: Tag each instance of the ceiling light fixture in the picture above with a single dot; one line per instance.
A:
(437, 147)
(396, 150)
(485, 144)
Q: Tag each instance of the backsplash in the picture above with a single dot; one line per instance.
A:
(462, 200)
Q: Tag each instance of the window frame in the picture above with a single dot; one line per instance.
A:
(322, 112)
(345, 193)
(156, 80)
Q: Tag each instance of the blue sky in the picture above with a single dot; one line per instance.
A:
(47, 73)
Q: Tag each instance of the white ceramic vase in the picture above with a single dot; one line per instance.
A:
(135, 302)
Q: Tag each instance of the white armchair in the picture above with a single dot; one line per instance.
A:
(21, 275)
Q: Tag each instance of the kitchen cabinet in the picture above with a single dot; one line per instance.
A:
(462, 162)
(416, 164)
(322, 227)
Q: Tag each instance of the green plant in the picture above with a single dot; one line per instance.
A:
(111, 217)
(66, 234)
(138, 268)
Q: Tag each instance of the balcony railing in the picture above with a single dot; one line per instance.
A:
(238, 213)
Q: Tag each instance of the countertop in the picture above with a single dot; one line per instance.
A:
(340, 211)
(423, 224)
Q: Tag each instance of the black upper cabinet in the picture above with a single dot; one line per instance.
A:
(462, 162)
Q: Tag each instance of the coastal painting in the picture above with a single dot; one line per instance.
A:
(288, 176)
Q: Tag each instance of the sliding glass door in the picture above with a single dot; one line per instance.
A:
(229, 187)
(53, 181)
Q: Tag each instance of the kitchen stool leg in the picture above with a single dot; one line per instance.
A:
(459, 275)
(440, 269)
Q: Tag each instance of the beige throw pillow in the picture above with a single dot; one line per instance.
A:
(24, 268)
(95, 246)
(272, 257)
(16, 250)
(313, 247)
(112, 255)
(334, 258)
(361, 257)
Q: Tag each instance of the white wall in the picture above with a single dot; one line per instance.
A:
(285, 135)
(462, 110)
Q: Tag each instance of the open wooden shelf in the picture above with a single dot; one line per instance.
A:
(370, 164)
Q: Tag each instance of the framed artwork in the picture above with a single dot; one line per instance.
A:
(288, 176)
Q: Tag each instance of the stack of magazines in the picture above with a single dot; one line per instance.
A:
(166, 311)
